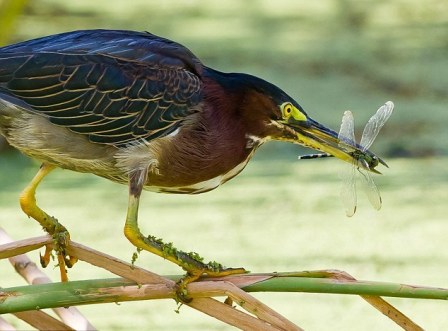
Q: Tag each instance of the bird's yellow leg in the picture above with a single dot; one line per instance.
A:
(50, 224)
(191, 262)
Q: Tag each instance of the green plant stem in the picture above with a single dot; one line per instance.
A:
(323, 285)
(118, 289)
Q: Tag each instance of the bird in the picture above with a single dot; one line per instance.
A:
(144, 111)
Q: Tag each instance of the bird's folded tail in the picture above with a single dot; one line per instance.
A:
(10, 109)
(10, 103)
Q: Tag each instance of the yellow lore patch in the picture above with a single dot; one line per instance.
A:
(289, 110)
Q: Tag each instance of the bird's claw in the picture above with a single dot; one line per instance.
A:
(48, 255)
(181, 286)
(61, 238)
(210, 270)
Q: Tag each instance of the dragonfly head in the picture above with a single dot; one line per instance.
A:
(368, 161)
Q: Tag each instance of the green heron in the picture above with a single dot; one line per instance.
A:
(144, 111)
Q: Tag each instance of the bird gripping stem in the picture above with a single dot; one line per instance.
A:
(191, 262)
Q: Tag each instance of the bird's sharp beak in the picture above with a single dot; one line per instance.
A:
(316, 136)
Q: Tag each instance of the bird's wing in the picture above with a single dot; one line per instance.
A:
(116, 87)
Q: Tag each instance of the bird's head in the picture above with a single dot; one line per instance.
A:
(270, 114)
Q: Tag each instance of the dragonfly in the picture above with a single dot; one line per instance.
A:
(364, 163)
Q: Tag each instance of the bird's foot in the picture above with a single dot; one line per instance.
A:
(212, 269)
(61, 238)
(191, 262)
(50, 224)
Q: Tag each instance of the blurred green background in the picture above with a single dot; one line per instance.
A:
(280, 214)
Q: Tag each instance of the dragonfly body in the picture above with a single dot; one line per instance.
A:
(314, 156)
(364, 160)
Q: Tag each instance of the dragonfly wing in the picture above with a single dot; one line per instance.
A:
(372, 192)
(348, 190)
(347, 174)
(375, 124)
(347, 131)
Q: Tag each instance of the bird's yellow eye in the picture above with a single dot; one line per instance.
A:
(288, 110)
